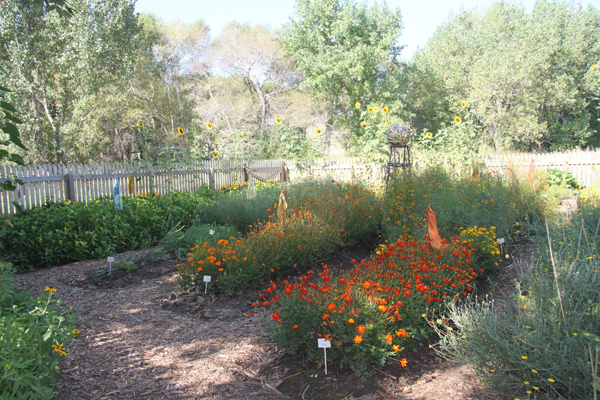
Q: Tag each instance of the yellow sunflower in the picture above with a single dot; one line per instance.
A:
(209, 125)
(464, 104)
(181, 131)
(384, 110)
(363, 124)
(278, 121)
(357, 105)
(318, 131)
(429, 135)
(215, 154)
(371, 109)
(457, 120)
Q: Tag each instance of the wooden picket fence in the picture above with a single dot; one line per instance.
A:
(42, 183)
(82, 183)
(583, 164)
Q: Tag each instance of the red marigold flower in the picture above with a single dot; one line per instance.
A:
(295, 327)
(361, 329)
(401, 332)
(331, 306)
(275, 316)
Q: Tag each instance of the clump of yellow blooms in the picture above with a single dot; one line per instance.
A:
(590, 196)
(486, 242)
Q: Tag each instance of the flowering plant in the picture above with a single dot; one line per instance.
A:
(369, 312)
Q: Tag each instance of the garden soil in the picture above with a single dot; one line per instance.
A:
(143, 339)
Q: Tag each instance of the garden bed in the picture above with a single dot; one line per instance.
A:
(136, 342)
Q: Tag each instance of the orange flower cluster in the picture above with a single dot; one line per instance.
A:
(379, 303)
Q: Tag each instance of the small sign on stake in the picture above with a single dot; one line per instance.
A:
(110, 261)
(206, 280)
(501, 241)
(324, 344)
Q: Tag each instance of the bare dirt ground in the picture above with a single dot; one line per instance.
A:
(143, 339)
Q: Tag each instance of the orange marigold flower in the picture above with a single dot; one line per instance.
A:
(350, 321)
(382, 308)
(331, 306)
(295, 327)
(361, 329)
(396, 347)
(403, 362)
(250, 314)
(389, 338)
(401, 332)
(358, 339)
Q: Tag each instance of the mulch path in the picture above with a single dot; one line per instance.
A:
(143, 339)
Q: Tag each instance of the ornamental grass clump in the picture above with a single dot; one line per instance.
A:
(372, 311)
(544, 341)
(460, 201)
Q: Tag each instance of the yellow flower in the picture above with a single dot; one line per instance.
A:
(181, 131)
(384, 110)
(429, 135)
(209, 125)
(318, 131)
(243, 134)
(140, 124)
(357, 105)
(49, 289)
(457, 120)
(593, 67)
(375, 109)
(551, 380)
(524, 357)
(534, 371)
(363, 124)
(371, 109)
(278, 121)
(215, 154)
(464, 104)
(75, 332)
(58, 349)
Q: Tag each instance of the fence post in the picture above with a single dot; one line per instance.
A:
(211, 178)
(70, 187)
(245, 169)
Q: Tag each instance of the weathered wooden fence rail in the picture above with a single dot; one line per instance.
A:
(82, 183)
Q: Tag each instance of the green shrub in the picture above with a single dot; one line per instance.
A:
(59, 233)
(538, 343)
(558, 177)
(34, 332)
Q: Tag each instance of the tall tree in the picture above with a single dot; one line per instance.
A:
(56, 64)
(347, 52)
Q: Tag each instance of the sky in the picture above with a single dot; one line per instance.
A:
(421, 18)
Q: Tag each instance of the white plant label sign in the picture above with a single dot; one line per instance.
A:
(324, 344)
(206, 280)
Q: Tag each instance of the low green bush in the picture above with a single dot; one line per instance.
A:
(34, 332)
(59, 233)
(544, 341)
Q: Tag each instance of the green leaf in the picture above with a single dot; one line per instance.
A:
(2, 88)
(3, 154)
(47, 335)
(7, 106)
(13, 118)
(13, 134)
(16, 159)
(8, 185)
